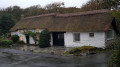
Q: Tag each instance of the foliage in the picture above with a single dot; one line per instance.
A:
(116, 14)
(28, 33)
(54, 5)
(100, 4)
(92, 5)
(16, 11)
(1, 38)
(83, 49)
(110, 3)
(44, 39)
(20, 42)
(32, 34)
(5, 43)
(6, 22)
(115, 58)
(15, 38)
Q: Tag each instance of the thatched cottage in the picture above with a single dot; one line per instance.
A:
(92, 28)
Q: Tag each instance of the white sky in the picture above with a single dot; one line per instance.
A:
(28, 3)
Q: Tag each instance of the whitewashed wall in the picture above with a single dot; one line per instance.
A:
(98, 40)
(51, 39)
(18, 33)
(24, 37)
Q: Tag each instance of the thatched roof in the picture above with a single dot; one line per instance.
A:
(90, 21)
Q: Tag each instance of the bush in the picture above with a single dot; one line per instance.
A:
(20, 42)
(44, 39)
(1, 39)
(114, 60)
(15, 38)
(6, 43)
(83, 49)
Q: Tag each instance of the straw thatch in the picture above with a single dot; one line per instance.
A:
(91, 21)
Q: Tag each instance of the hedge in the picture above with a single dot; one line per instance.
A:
(6, 43)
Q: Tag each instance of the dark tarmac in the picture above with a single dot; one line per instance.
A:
(18, 58)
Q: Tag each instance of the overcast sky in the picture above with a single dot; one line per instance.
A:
(28, 3)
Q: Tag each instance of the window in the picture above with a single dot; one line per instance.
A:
(60, 36)
(109, 34)
(37, 30)
(21, 38)
(91, 34)
(21, 31)
(76, 36)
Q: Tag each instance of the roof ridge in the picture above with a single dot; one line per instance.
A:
(85, 13)
(50, 14)
(72, 14)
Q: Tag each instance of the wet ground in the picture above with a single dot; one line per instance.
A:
(17, 58)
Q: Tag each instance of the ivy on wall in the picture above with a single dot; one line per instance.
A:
(32, 34)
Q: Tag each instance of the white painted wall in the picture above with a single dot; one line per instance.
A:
(98, 40)
(24, 37)
(18, 33)
(51, 39)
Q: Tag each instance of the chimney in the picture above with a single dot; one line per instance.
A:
(22, 16)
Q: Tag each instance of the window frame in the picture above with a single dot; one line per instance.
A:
(76, 35)
(91, 34)
(112, 34)
(60, 36)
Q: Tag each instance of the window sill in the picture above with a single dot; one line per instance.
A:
(109, 38)
(76, 41)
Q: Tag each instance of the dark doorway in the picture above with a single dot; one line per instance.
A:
(27, 39)
(58, 38)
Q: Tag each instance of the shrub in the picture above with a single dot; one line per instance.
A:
(44, 39)
(20, 42)
(83, 49)
(114, 60)
(15, 38)
(1, 39)
(6, 43)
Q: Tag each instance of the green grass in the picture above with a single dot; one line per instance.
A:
(78, 50)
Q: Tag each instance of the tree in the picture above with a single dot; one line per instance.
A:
(7, 21)
(92, 5)
(44, 39)
(116, 14)
(110, 3)
(54, 7)
(100, 4)
(33, 10)
(16, 11)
